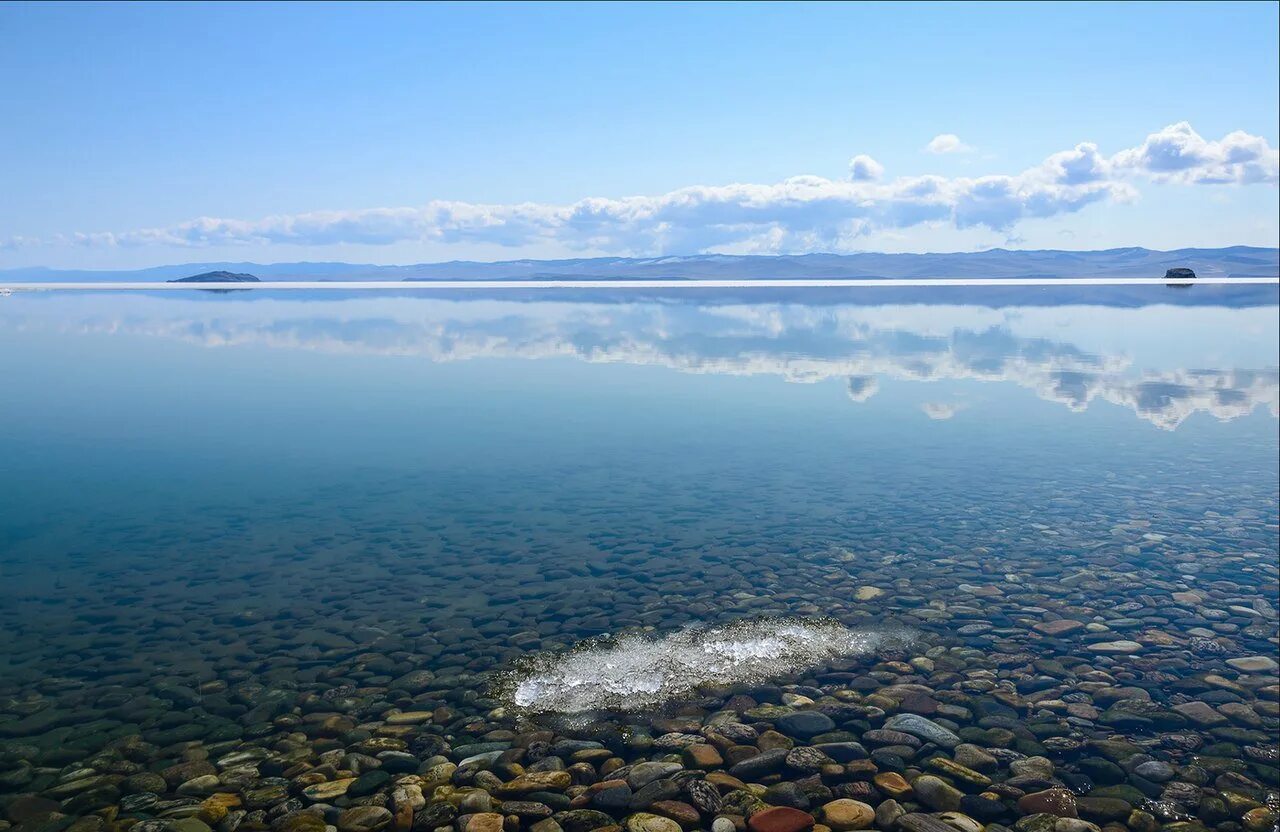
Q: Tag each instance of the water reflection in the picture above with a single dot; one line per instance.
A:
(1163, 364)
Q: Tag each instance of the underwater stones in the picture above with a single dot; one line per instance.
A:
(780, 819)
(702, 756)
(537, 781)
(1060, 627)
(1057, 802)
(804, 724)
(920, 822)
(1122, 647)
(922, 728)
(1200, 713)
(368, 783)
(363, 819)
(844, 815)
(325, 792)
(936, 793)
(642, 774)
(646, 822)
(761, 765)
(483, 822)
(1156, 771)
(1254, 664)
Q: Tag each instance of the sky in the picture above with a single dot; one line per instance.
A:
(144, 134)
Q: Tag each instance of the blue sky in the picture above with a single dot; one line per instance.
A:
(143, 134)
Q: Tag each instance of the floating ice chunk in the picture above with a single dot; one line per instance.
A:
(636, 671)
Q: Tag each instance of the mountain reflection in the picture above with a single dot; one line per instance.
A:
(865, 346)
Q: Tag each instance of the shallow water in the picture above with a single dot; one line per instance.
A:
(265, 521)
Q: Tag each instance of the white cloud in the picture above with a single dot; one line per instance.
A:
(947, 143)
(940, 411)
(862, 168)
(800, 214)
(1180, 154)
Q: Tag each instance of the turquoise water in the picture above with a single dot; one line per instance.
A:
(205, 492)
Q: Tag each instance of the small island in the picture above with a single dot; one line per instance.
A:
(217, 277)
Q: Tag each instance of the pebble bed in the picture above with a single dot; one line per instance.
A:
(1070, 668)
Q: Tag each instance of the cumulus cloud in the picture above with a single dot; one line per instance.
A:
(947, 143)
(800, 214)
(862, 168)
(1180, 154)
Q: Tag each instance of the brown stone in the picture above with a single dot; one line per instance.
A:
(1059, 802)
(780, 819)
(702, 756)
(844, 815)
(1061, 627)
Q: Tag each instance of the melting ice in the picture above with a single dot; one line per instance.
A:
(637, 671)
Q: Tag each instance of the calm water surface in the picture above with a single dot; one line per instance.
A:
(242, 532)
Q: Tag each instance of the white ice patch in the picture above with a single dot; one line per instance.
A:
(635, 671)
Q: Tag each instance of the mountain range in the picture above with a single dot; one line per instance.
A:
(1235, 261)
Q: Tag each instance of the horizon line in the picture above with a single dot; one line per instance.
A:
(799, 283)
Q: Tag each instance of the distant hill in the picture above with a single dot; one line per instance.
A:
(1235, 261)
(217, 277)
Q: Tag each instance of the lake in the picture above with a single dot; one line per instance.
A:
(568, 561)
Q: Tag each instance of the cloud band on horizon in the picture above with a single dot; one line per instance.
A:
(802, 213)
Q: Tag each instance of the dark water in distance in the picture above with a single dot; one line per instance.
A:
(226, 519)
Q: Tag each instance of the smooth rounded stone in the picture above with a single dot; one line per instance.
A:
(205, 784)
(1103, 809)
(484, 822)
(702, 756)
(642, 774)
(583, 820)
(368, 783)
(29, 807)
(983, 809)
(475, 803)
(888, 812)
(787, 793)
(1260, 819)
(143, 781)
(654, 792)
(761, 765)
(1156, 771)
(1254, 664)
(920, 822)
(1074, 825)
(806, 759)
(974, 757)
(1122, 647)
(780, 819)
(924, 729)
(723, 824)
(960, 821)
(1039, 767)
(300, 821)
(327, 791)
(537, 781)
(1060, 627)
(702, 795)
(1201, 713)
(613, 798)
(974, 780)
(1057, 802)
(677, 810)
(936, 793)
(892, 783)
(646, 822)
(363, 819)
(804, 724)
(843, 752)
(844, 814)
